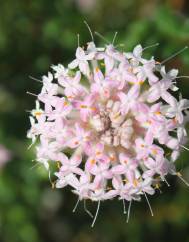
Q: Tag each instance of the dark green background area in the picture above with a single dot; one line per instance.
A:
(34, 34)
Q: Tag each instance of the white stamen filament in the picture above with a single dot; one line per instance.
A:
(86, 210)
(76, 205)
(129, 210)
(97, 211)
(124, 207)
(90, 31)
(149, 204)
(172, 56)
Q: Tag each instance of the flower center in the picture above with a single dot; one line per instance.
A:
(113, 128)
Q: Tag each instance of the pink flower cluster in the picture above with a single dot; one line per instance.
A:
(111, 123)
(5, 155)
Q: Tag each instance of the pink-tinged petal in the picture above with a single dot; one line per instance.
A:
(107, 174)
(175, 154)
(116, 182)
(109, 63)
(150, 163)
(130, 175)
(98, 76)
(84, 67)
(85, 178)
(169, 98)
(173, 143)
(156, 107)
(90, 166)
(94, 169)
(149, 137)
(72, 181)
(151, 77)
(153, 95)
(133, 164)
(156, 150)
(124, 159)
(61, 183)
(148, 174)
(73, 142)
(64, 159)
(134, 91)
(90, 56)
(138, 51)
(149, 190)
(98, 180)
(84, 114)
(130, 78)
(180, 117)
(110, 194)
(100, 147)
(76, 160)
(122, 96)
(73, 64)
(77, 77)
(80, 54)
(143, 108)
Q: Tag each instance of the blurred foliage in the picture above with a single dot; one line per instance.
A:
(34, 34)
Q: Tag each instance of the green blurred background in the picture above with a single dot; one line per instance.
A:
(37, 33)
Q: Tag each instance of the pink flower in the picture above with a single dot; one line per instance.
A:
(5, 155)
(82, 186)
(96, 154)
(61, 109)
(128, 100)
(127, 164)
(81, 137)
(116, 117)
(70, 165)
(82, 61)
(87, 107)
(159, 166)
(48, 86)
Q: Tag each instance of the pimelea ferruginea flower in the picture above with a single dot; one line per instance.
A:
(111, 123)
(5, 156)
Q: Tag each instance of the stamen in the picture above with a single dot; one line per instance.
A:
(52, 183)
(32, 94)
(37, 164)
(114, 38)
(184, 147)
(124, 207)
(172, 56)
(181, 77)
(129, 210)
(150, 46)
(164, 180)
(97, 210)
(76, 205)
(179, 175)
(148, 204)
(102, 37)
(86, 210)
(35, 79)
(90, 31)
(29, 147)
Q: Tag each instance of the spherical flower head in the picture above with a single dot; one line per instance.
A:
(115, 115)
